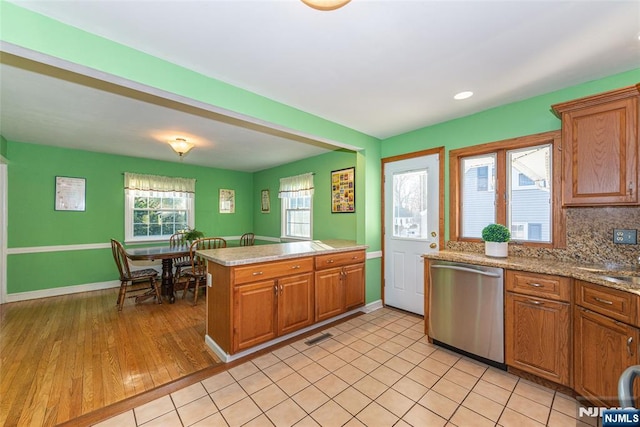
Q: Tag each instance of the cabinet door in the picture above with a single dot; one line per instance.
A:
(537, 337)
(295, 303)
(353, 276)
(600, 154)
(603, 349)
(254, 314)
(329, 293)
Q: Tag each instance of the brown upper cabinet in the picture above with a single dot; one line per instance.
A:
(600, 148)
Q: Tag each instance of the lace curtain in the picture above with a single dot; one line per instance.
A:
(296, 186)
(135, 181)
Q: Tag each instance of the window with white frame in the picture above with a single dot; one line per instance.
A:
(296, 195)
(157, 206)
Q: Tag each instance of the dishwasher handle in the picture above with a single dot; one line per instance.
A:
(467, 269)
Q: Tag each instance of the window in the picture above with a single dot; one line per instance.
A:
(296, 194)
(510, 182)
(157, 207)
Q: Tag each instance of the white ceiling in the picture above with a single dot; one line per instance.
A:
(381, 67)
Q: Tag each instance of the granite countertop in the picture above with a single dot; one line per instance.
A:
(589, 273)
(278, 251)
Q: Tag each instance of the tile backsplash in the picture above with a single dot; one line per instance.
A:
(589, 238)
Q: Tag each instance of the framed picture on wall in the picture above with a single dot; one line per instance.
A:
(227, 201)
(265, 202)
(343, 190)
(70, 193)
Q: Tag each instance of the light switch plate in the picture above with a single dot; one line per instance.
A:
(209, 280)
(627, 237)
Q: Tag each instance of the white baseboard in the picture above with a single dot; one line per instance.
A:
(372, 306)
(226, 358)
(66, 290)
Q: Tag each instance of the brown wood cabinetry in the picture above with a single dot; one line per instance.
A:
(339, 283)
(600, 149)
(538, 325)
(255, 303)
(603, 346)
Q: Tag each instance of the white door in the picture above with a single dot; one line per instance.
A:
(410, 228)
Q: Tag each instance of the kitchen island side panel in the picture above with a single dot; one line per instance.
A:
(219, 306)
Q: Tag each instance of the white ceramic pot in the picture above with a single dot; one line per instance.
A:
(496, 249)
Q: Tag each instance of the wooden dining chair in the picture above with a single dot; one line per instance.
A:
(196, 275)
(177, 240)
(248, 239)
(133, 281)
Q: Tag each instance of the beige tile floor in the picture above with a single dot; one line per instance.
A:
(376, 370)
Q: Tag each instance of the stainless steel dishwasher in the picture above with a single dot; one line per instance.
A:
(466, 309)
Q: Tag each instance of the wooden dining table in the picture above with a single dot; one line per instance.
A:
(165, 253)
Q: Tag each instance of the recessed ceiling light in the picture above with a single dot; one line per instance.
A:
(463, 95)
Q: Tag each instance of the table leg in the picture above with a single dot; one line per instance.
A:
(167, 280)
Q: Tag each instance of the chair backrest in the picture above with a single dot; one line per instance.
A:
(247, 239)
(176, 240)
(198, 263)
(120, 257)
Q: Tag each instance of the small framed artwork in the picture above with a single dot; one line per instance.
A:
(343, 190)
(227, 201)
(70, 193)
(265, 202)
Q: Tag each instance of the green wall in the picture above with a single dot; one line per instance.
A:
(3, 147)
(33, 222)
(325, 224)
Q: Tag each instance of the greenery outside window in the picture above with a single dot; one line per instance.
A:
(516, 183)
(157, 207)
(296, 194)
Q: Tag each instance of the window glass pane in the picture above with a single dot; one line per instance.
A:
(529, 193)
(140, 202)
(297, 217)
(410, 204)
(478, 177)
(155, 202)
(157, 218)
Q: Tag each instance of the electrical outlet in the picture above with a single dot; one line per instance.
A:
(628, 237)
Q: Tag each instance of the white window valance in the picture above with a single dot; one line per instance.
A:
(136, 181)
(296, 186)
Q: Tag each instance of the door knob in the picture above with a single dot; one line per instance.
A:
(433, 246)
(434, 234)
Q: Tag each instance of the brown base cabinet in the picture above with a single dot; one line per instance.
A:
(605, 341)
(538, 337)
(538, 325)
(255, 303)
(338, 283)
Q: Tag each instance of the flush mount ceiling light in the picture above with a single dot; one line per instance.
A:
(325, 4)
(463, 95)
(181, 146)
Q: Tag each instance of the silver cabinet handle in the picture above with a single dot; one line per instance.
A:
(330, 261)
(629, 341)
(535, 285)
(281, 290)
(257, 273)
(531, 301)
(295, 267)
(604, 301)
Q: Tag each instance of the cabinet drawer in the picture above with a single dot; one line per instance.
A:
(616, 304)
(540, 285)
(338, 259)
(270, 270)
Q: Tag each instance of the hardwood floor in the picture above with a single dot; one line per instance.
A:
(66, 356)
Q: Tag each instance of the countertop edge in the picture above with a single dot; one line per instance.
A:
(540, 266)
(232, 257)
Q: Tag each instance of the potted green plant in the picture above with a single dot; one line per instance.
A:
(495, 238)
(190, 235)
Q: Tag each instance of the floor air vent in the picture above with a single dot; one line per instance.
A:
(317, 339)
